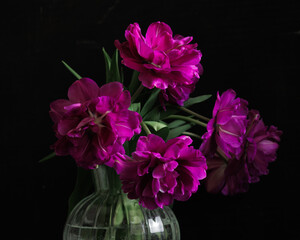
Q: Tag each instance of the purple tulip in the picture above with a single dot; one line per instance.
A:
(261, 146)
(163, 61)
(233, 175)
(160, 171)
(227, 128)
(94, 123)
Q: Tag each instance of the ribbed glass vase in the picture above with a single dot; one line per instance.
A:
(109, 214)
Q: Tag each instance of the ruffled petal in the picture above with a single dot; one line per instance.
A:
(151, 80)
(159, 171)
(227, 99)
(163, 199)
(105, 104)
(126, 124)
(159, 36)
(152, 143)
(123, 102)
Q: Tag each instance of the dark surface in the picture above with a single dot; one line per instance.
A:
(250, 46)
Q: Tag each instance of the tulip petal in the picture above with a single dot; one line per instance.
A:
(57, 109)
(112, 89)
(151, 80)
(159, 171)
(216, 178)
(105, 104)
(126, 123)
(158, 35)
(163, 199)
(152, 143)
(83, 90)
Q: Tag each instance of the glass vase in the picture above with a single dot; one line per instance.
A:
(109, 214)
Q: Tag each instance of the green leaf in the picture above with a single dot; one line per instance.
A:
(170, 111)
(154, 114)
(150, 102)
(121, 75)
(119, 213)
(115, 75)
(126, 147)
(175, 132)
(134, 83)
(49, 156)
(199, 99)
(132, 144)
(176, 123)
(71, 70)
(163, 133)
(107, 60)
(134, 214)
(156, 125)
(112, 67)
(159, 128)
(83, 187)
(136, 107)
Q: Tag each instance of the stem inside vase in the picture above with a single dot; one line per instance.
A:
(106, 179)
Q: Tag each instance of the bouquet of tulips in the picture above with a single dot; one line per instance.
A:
(144, 129)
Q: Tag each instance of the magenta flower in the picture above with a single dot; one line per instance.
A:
(233, 175)
(163, 60)
(94, 123)
(227, 128)
(160, 171)
(261, 146)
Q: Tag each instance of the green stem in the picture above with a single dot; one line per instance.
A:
(194, 114)
(188, 119)
(146, 129)
(192, 135)
(137, 93)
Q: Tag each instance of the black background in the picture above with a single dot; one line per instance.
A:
(250, 46)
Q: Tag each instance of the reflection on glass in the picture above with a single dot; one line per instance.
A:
(156, 225)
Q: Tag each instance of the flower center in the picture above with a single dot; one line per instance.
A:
(98, 119)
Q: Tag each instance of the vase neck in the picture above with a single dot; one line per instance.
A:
(106, 179)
